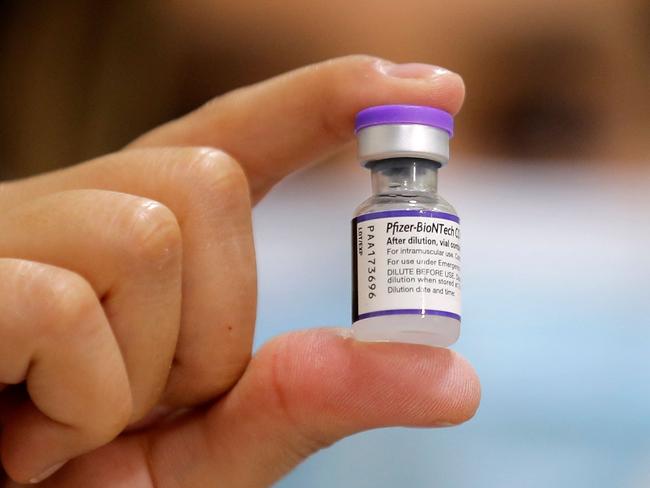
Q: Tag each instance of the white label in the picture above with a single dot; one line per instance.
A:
(407, 262)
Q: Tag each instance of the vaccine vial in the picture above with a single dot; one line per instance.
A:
(405, 237)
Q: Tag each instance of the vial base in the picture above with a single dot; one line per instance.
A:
(429, 330)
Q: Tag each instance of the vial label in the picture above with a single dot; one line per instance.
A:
(406, 262)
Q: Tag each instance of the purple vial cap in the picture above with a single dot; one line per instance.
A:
(404, 114)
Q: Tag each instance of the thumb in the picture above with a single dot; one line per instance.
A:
(301, 392)
(304, 391)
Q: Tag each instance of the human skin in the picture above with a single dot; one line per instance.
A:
(127, 302)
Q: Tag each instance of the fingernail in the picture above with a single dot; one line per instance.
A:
(415, 71)
(47, 473)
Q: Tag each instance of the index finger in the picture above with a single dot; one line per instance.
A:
(275, 127)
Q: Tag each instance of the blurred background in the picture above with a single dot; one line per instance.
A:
(550, 173)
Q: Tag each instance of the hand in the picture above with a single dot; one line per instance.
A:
(127, 302)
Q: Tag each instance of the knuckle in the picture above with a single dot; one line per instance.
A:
(67, 298)
(52, 300)
(154, 235)
(218, 176)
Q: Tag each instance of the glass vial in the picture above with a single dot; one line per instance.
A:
(405, 237)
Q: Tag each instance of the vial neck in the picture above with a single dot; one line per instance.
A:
(399, 176)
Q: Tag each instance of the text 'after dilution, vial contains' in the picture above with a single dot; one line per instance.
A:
(405, 237)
